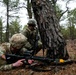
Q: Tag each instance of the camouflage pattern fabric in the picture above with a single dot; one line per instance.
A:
(5, 48)
(31, 35)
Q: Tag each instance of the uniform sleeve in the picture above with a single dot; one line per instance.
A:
(3, 65)
(6, 67)
(28, 45)
(2, 51)
(25, 31)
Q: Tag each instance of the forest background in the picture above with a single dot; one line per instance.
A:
(14, 15)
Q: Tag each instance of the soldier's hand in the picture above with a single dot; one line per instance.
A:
(30, 61)
(18, 63)
(3, 57)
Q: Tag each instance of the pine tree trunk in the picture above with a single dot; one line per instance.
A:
(29, 8)
(7, 27)
(49, 28)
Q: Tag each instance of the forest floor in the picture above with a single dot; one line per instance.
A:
(69, 69)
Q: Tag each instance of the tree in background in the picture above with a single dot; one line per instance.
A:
(29, 8)
(14, 27)
(15, 6)
(65, 32)
(72, 22)
(1, 28)
(49, 28)
(9, 5)
(6, 2)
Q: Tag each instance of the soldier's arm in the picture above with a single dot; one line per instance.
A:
(6, 67)
(27, 43)
(25, 31)
(10, 66)
(3, 65)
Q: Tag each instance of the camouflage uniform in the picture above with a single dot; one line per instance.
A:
(5, 48)
(31, 36)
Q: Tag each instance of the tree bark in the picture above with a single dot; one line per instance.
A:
(29, 9)
(49, 28)
(1, 31)
(7, 27)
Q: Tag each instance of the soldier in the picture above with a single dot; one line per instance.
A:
(16, 46)
(32, 34)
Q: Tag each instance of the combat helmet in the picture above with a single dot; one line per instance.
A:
(32, 22)
(18, 40)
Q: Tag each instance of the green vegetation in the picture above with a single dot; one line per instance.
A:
(12, 21)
